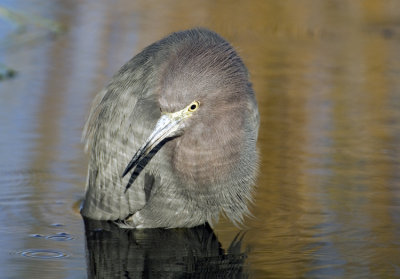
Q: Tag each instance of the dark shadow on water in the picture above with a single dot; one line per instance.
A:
(113, 252)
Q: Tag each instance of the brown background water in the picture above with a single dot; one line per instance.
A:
(327, 78)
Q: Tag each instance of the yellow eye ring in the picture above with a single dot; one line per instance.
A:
(194, 106)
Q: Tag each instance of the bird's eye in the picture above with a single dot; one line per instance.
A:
(194, 106)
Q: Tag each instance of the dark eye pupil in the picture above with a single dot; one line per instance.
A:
(193, 107)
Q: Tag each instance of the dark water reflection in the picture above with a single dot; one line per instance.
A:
(158, 253)
(326, 74)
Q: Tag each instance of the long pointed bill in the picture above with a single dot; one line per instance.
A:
(167, 126)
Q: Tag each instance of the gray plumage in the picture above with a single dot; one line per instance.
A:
(205, 164)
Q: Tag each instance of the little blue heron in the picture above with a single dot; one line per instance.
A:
(185, 110)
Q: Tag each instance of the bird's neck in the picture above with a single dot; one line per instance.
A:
(208, 157)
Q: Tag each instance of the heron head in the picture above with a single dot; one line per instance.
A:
(202, 97)
(169, 125)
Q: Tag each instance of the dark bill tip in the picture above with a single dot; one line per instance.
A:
(131, 165)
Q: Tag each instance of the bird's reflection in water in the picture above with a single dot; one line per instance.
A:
(113, 252)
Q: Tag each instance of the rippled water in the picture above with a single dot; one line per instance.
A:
(327, 78)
